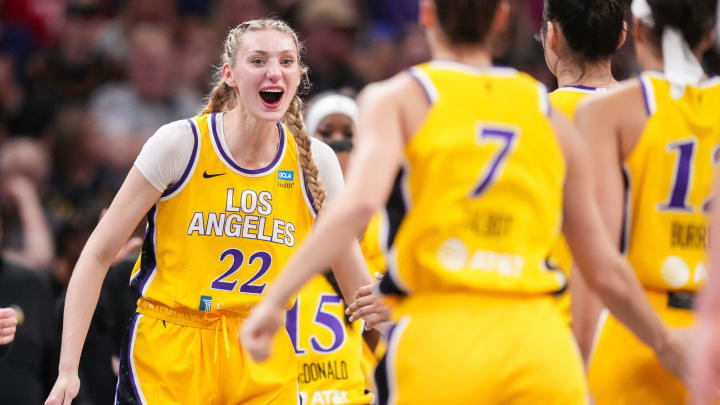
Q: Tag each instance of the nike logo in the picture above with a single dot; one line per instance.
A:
(209, 176)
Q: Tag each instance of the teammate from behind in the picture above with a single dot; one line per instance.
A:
(579, 38)
(490, 172)
(654, 142)
(228, 196)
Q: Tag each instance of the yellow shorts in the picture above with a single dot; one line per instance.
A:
(183, 357)
(471, 349)
(623, 370)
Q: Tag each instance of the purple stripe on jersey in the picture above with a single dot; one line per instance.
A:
(232, 163)
(186, 173)
(645, 96)
(131, 343)
(151, 256)
(309, 194)
(422, 84)
(579, 86)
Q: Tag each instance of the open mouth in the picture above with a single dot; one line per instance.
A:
(271, 97)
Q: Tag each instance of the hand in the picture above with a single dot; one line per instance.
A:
(369, 306)
(706, 364)
(674, 354)
(8, 323)
(65, 389)
(260, 328)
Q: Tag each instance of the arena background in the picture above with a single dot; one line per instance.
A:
(83, 84)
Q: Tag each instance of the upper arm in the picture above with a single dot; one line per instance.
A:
(596, 120)
(329, 171)
(582, 225)
(134, 199)
(390, 112)
(166, 154)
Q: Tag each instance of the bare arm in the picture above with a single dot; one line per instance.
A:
(706, 358)
(609, 194)
(599, 260)
(38, 250)
(131, 203)
(368, 184)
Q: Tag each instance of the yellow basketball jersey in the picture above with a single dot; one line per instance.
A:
(478, 204)
(670, 177)
(222, 233)
(370, 246)
(328, 348)
(566, 99)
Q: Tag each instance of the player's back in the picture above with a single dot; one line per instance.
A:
(478, 203)
(566, 100)
(670, 176)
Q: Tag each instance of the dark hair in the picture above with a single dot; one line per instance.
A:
(466, 22)
(694, 18)
(592, 28)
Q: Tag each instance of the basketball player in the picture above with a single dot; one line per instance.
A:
(327, 344)
(579, 38)
(228, 195)
(489, 170)
(654, 142)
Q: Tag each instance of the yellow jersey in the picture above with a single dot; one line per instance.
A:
(219, 235)
(566, 99)
(370, 246)
(669, 175)
(327, 346)
(478, 203)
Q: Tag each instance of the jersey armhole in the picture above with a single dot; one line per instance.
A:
(426, 83)
(189, 169)
(648, 94)
(544, 100)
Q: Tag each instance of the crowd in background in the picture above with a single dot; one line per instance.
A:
(84, 83)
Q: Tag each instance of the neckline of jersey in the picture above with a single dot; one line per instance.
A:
(218, 134)
(462, 67)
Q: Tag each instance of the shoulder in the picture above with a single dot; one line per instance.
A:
(329, 170)
(403, 85)
(400, 103)
(167, 153)
(321, 150)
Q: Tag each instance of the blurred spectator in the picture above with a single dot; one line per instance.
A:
(328, 28)
(20, 112)
(74, 68)
(24, 170)
(197, 49)
(43, 18)
(129, 112)
(230, 13)
(8, 325)
(30, 368)
(114, 38)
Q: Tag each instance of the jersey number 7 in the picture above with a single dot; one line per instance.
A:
(508, 139)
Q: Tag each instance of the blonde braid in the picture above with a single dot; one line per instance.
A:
(221, 98)
(294, 121)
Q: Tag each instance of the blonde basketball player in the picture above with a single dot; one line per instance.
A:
(579, 38)
(228, 195)
(655, 143)
(486, 167)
